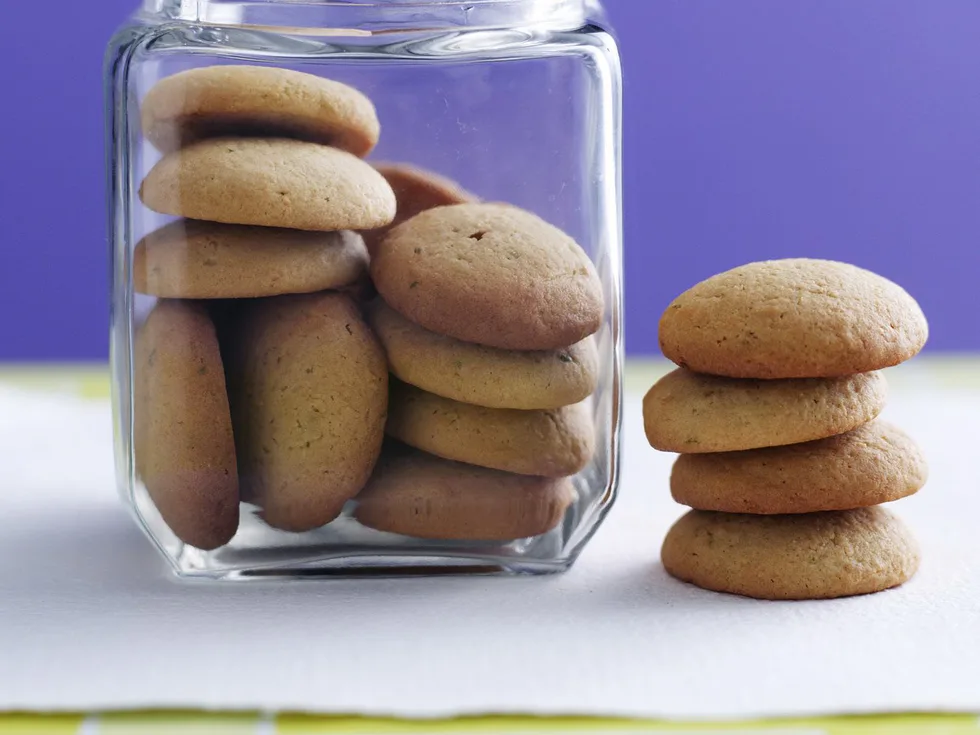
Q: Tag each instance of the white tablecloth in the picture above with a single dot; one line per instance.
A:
(90, 617)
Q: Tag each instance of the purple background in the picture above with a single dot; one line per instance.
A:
(847, 129)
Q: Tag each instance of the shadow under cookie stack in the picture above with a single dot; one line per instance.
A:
(261, 374)
(774, 414)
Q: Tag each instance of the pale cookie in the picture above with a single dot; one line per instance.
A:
(260, 101)
(554, 443)
(691, 413)
(485, 376)
(203, 260)
(269, 182)
(795, 318)
(797, 557)
(491, 274)
(876, 463)
(182, 438)
(309, 397)
(416, 191)
(416, 494)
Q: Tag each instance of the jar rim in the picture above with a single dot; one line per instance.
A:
(360, 16)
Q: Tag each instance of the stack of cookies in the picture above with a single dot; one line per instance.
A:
(256, 378)
(486, 314)
(774, 414)
(257, 375)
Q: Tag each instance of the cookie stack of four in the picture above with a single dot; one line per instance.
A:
(486, 314)
(774, 415)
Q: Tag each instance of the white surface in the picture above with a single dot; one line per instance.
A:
(90, 618)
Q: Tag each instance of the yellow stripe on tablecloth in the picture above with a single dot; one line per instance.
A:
(87, 381)
(40, 724)
(944, 371)
(92, 380)
(182, 723)
(203, 723)
(864, 725)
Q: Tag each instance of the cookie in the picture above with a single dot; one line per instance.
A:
(554, 443)
(691, 413)
(416, 494)
(796, 557)
(416, 190)
(796, 318)
(491, 274)
(876, 463)
(183, 440)
(219, 101)
(271, 182)
(309, 397)
(203, 260)
(485, 376)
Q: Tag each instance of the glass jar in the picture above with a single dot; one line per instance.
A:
(266, 278)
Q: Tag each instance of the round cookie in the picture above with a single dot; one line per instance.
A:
(271, 182)
(260, 101)
(485, 376)
(691, 413)
(876, 463)
(796, 557)
(555, 443)
(193, 259)
(796, 318)
(309, 392)
(182, 431)
(491, 274)
(416, 191)
(416, 494)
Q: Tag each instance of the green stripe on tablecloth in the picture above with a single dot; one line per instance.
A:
(945, 371)
(869, 725)
(184, 723)
(179, 723)
(40, 724)
(92, 380)
(88, 381)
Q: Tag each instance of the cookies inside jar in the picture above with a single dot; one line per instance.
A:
(417, 355)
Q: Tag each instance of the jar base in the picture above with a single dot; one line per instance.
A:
(345, 548)
(370, 565)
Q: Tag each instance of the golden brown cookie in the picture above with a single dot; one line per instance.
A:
(491, 274)
(260, 101)
(416, 494)
(796, 318)
(876, 463)
(416, 191)
(309, 397)
(183, 441)
(691, 413)
(192, 259)
(554, 443)
(485, 376)
(271, 182)
(797, 557)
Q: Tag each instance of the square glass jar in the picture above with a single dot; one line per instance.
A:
(261, 295)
